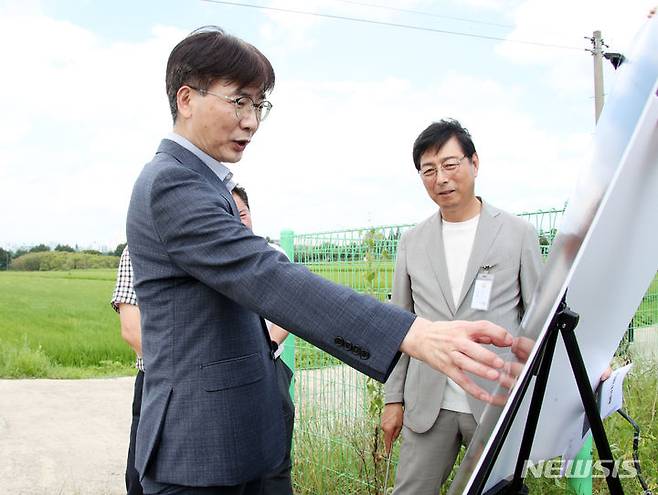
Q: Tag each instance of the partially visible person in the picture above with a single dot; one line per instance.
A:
(124, 302)
(279, 482)
(468, 261)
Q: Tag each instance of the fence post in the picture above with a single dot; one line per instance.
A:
(579, 480)
(288, 244)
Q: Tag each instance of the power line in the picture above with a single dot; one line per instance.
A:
(394, 24)
(428, 14)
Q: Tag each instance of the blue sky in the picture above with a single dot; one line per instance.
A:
(85, 106)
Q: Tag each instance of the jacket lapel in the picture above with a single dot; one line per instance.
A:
(189, 160)
(487, 230)
(436, 255)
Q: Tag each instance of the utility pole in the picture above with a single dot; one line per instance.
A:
(582, 485)
(597, 53)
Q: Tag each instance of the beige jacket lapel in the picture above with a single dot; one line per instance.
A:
(488, 227)
(437, 257)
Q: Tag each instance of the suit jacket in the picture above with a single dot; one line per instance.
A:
(509, 245)
(211, 410)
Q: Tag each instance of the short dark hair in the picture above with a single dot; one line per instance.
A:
(207, 55)
(438, 134)
(240, 192)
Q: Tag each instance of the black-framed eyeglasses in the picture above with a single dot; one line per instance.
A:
(449, 165)
(242, 104)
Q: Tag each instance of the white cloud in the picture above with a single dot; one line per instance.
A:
(88, 113)
(84, 115)
(487, 4)
(286, 32)
(567, 23)
(339, 154)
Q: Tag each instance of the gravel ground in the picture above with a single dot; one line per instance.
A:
(64, 436)
(70, 437)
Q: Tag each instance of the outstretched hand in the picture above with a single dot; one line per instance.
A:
(453, 348)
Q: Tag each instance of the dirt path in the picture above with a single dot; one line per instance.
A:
(64, 436)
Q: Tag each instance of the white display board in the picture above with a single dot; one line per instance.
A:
(605, 254)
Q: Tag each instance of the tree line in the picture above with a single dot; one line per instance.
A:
(63, 256)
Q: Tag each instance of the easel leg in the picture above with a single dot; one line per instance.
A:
(592, 411)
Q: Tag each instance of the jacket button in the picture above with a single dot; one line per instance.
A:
(339, 341)
(348, 345)
(365, 354)
(356, 350)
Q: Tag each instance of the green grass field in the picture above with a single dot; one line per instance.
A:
(357, 274)
(60, 325)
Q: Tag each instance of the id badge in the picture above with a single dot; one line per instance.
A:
(482, 291)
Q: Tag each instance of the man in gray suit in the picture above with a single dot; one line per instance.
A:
(212, 420)
(468, 261)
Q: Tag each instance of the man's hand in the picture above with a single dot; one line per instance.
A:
(606, 374)
(453, 348)
(522, 347)
(391, 424)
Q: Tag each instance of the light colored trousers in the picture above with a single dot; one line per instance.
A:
(426, 459)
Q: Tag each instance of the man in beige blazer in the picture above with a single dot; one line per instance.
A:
(468, 261)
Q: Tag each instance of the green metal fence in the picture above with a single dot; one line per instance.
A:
(337, 442)
(545, 223)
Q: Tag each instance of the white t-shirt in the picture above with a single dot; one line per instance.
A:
(458, 238)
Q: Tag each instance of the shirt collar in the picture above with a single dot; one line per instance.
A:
(220, 170)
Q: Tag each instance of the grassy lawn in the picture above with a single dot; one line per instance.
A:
(356, 274)
(60, 325)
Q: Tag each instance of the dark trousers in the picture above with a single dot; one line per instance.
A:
(279, 482)
(133, 486)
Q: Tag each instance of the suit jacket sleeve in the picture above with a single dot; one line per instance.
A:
(203, 238)
(394, 388)
(531, 265)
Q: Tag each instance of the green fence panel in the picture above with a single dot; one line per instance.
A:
(288, 354)
(337, 437)
(338, 443)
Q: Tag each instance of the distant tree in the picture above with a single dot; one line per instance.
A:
(119, 249)
(41, 248)
(91, 251)
(62, 261)
(18, 253)
(5, 259)
(64, 248)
